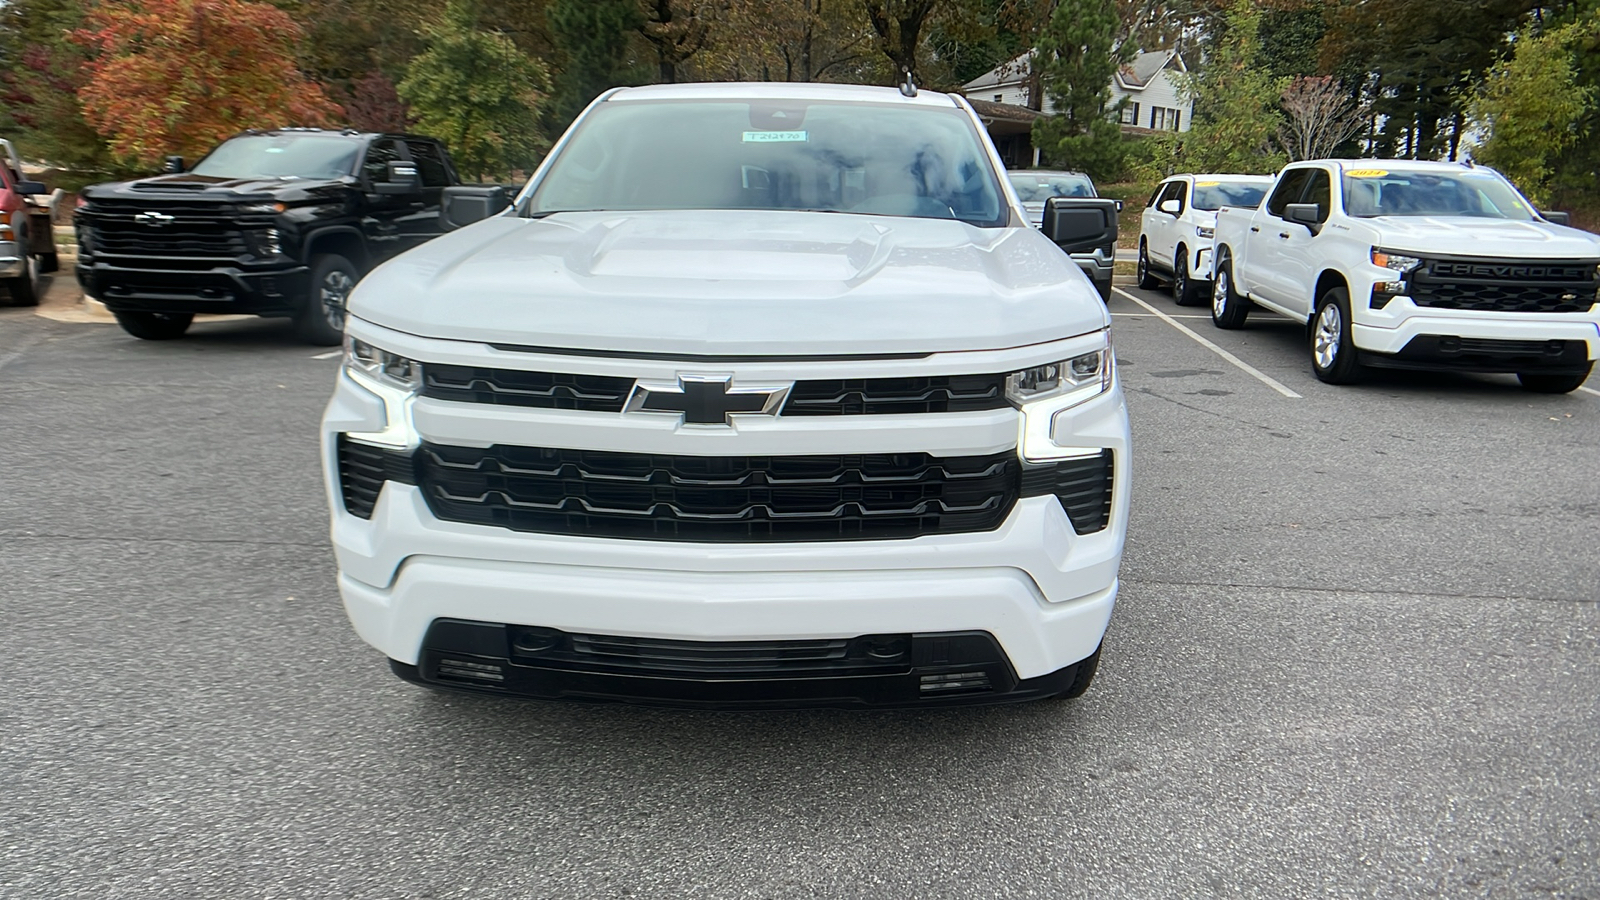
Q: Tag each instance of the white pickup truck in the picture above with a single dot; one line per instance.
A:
(1418, 265)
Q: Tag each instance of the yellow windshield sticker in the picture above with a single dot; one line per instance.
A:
(773, 137)
(1206, 183)
(1366, 173)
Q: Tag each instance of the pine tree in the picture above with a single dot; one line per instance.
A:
(595, 40)
(1236, 112)
(1076, 59)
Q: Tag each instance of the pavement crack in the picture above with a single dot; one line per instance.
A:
(1200, 409)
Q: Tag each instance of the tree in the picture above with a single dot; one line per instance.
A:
(373, 104)
(41, 71)
(676, 31)
(1532, 106)
(478, 92)
(899, 25)
(1236, 112)
(593, 38)
(789, 40)
(1076, 59)
(1320, 115)
(176, 76)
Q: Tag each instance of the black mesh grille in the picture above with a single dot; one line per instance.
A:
(195, 230)
(871, 654)
(363, 469)
(512, 387)
(686, 498)
(1504, 286)
(1082, 485)
(878, 396)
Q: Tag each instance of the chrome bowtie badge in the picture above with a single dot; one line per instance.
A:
(153, 218)
(706, 399)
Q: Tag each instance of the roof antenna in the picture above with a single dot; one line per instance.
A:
(909, 86)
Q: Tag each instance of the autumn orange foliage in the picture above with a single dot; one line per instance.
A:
(176, 76)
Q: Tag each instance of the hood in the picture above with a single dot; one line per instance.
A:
(764, 283)
(187, 186)
(1475, 236)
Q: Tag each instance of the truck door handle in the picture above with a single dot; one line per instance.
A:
(1256, 228)
(1284, 235)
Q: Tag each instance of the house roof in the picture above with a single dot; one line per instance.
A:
(1013, 72)
(1143, 68)
(1006, 112)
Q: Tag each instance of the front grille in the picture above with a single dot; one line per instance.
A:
(1082, 485)
(771, 658)
(363, 469)
(880, 396)
(196, 230)
(687, 498)
(823, 397)
(1504, 286)
(513, 387)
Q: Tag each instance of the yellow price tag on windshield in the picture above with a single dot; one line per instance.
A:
(1366, 173)
(1206, 183)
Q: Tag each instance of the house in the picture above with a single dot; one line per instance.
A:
(1148, 83)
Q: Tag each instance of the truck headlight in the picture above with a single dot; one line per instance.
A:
(395, 380)
(1396, 261)
(1042, 392)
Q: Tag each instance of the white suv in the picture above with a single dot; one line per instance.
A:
(758, 395)
(1175, 230)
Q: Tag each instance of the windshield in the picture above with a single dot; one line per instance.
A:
(1369, 193)
(1214, 195)
(1037, 187)
(281, 156)
(867, 158)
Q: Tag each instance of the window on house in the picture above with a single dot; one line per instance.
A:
(1130, 114)
(999, 98)
(1163, 119)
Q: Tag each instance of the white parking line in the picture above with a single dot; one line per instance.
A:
(1259, 375)
(1589, 390)
(329, 355)
(1154, 315)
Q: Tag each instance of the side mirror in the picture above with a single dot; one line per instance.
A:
(402, 179)
(173, 165)
(1556, 218)
(465, 204)
(1080, 224)
(1170, 207)
(35, 188)
(1307, 214)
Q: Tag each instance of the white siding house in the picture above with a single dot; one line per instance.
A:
(1154, 99)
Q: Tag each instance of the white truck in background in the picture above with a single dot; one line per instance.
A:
(1176, 229)
(1418, 265)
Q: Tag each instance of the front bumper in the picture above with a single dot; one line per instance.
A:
(1405, 335)
(223, 289)
(13, 259)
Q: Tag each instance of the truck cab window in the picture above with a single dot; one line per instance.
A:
(1289, 190)
(1320, 192)
(430, 163)
(379, 155)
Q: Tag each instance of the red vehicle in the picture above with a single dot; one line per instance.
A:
(27, 242)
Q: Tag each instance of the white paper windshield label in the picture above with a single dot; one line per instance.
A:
(773, 137)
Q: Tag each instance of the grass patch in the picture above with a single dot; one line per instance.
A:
(1134, 195)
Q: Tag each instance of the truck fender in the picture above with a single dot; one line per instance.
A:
(345, 240)
(1327, 280)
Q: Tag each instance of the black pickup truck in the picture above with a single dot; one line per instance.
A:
(270, 223)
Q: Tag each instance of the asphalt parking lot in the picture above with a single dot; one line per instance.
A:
(1356, 654)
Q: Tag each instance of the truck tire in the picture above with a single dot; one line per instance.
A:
(1333, 354)
(1228, 309)
(49, 262)
(1147, 280)
(1184, 289)
(1553, 383)
(24, 289)
(320, 320)
(149, 326)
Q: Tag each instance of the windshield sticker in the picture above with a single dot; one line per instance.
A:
(773, 137)
(1367, 173)
(1206, 183)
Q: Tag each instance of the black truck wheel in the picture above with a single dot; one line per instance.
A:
(24, 289)
(149, 326)
(321, 317)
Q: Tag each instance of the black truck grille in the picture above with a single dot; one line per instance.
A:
(1505, 285)
(512, 387)
(724, 499)
(828, 397)
(686, 498)
(195, 230)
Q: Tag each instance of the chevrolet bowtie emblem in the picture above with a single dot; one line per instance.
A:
(153, 218)
(706, 399)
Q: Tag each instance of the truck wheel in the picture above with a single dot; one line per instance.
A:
(1551, 383)
(1184, 289)
(321, 317)
(150, 326)
(1333, 355)
(1082, 676)
(24, 289)
(1228, 309)
(1147, 281)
